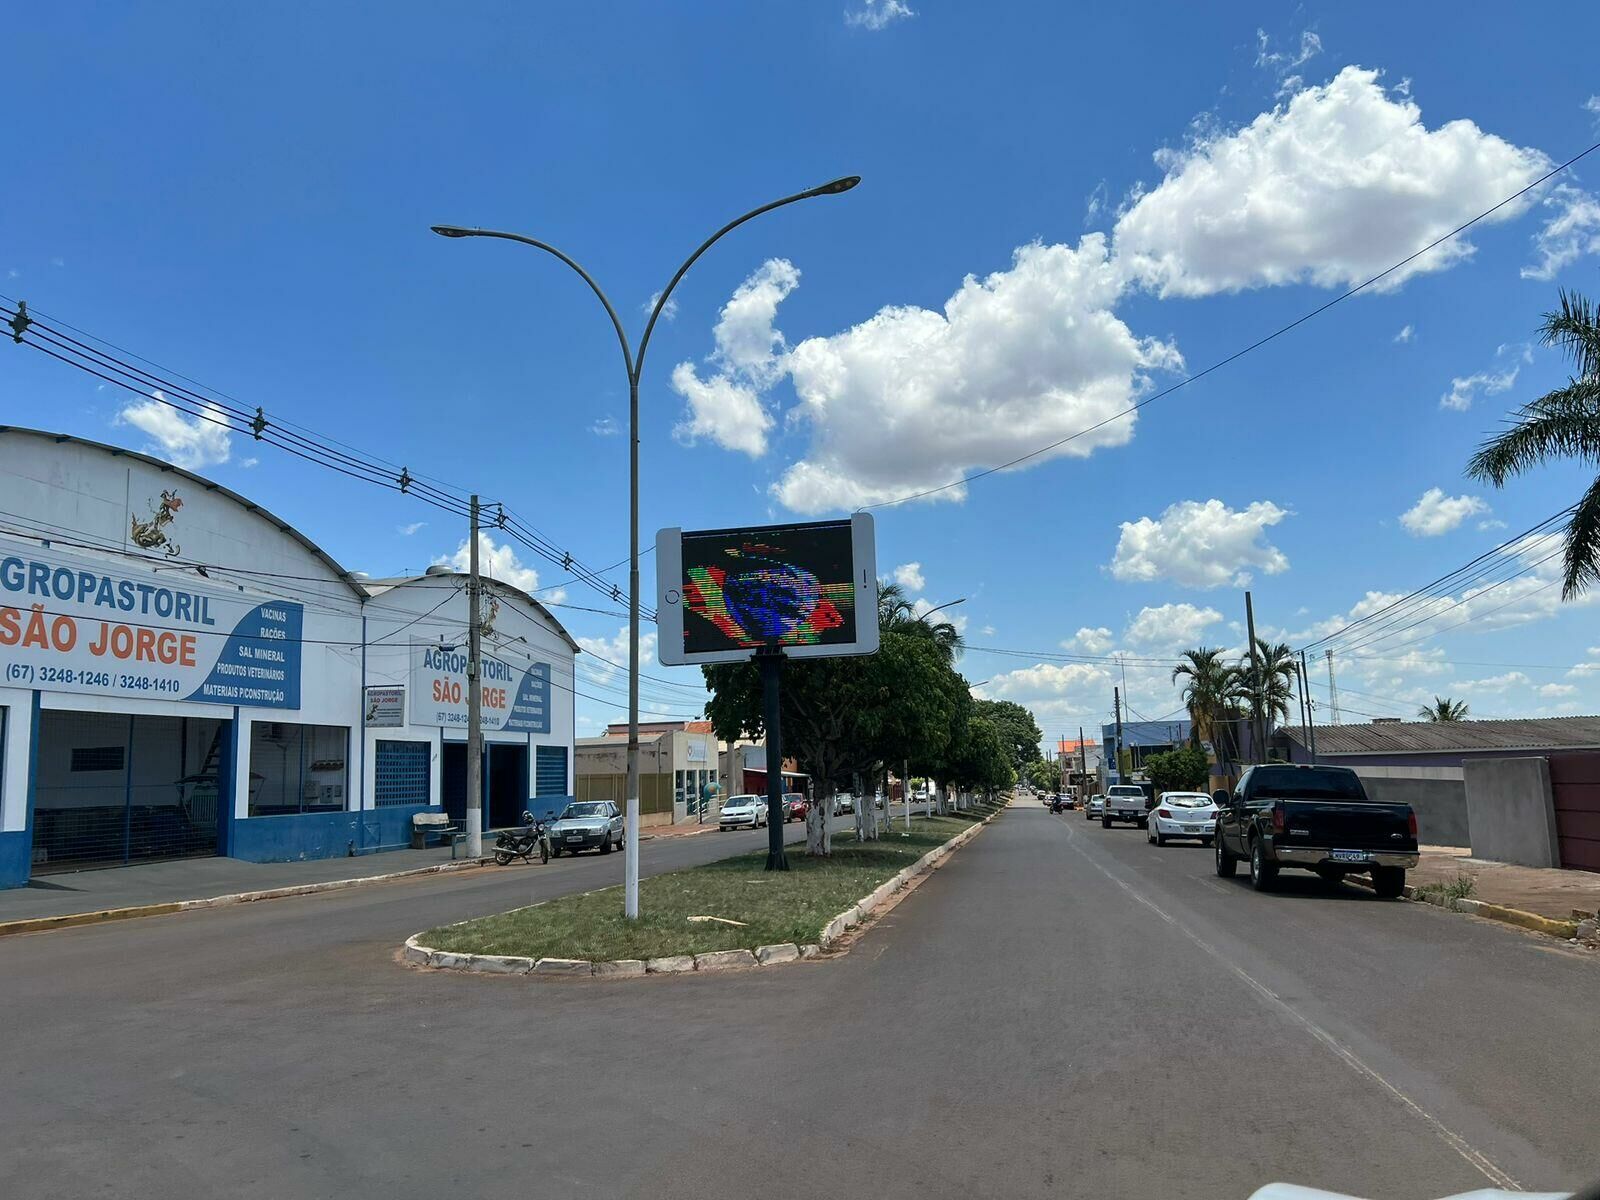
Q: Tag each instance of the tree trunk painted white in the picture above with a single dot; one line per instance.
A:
(818, 837)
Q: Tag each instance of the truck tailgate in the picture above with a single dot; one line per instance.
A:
(1347, 825)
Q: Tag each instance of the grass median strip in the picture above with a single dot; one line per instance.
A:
(772, 907)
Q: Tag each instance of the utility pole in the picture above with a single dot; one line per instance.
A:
(1116, 709)
(1305, 711)
(1333, 688)
(474, 698)
(905, 789)
(1311, 708)
(1083, 762)
(1258, 686)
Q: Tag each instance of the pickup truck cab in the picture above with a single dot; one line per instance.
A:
(1316, 819)
(1125, 802)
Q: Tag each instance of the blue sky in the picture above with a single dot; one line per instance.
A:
(1133, 192)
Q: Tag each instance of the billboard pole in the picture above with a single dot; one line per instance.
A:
(770, 660)
(474, 700)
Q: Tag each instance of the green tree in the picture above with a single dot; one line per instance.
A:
(1444, 709)
(980, 760)
(1045, 776)
(1017, 729)
(1564, 423)
(898, 613)
(845, 715)
(1276, 689)
(1209, 690)
(1182, 770)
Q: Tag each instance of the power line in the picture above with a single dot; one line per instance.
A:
(1237, 354)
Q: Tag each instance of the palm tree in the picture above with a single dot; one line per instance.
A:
(1444, 709)
(1564, 423)
(1206, 691)
(1278, 671)
(898, 614)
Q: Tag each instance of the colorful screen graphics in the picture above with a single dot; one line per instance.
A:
(775, 586)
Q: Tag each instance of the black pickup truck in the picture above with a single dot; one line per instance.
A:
(1315, 818)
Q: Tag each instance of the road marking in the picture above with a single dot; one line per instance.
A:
(1450, 1137)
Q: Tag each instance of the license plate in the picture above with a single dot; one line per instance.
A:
(1194, 828)
(1349, 855)
(574, 837)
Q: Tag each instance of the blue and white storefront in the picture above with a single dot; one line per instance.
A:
(184, 674)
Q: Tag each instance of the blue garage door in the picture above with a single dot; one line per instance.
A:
(402, 773)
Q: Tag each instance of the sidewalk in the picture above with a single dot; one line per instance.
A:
(198, 878)
(1547, 891)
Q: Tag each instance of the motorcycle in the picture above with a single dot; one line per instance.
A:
(523, 843)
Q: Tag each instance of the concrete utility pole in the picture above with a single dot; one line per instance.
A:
(1333, 688)
(1116, 709)
(1257, 718)
(1311, 709)
(474, 698)
(1083, 760)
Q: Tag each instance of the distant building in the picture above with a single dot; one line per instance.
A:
(677, 769)
(1141, 739)
(1437, 744)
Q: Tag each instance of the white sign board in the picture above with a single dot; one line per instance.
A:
(67, 624)
(515, 699)
(386, 707)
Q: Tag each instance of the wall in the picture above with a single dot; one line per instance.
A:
(1511, 811)
(1440, 805)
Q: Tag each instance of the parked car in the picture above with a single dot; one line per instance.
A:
(1095, 807)
(1124, 802)
(1183, 815)
(743, 810)
(795, 807)
(844, 802)
(587, 825)
(1315, 819)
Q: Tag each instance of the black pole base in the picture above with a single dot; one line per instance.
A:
(777, 861)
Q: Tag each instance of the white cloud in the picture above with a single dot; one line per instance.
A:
(607, 426)
(911, 398)
(1089, 640)
(749, 357)
(987, 631)
(249, 462)
(1171, 626)
(876, 14)
(1592, 107)
(1592, 667)
(1200, 544)
(1557, 689)
(1053, 680)
(499, 562)
(408, 530)
(1282, 61)
(1573, 231)
(1405, 335)
(609, 656)
(1330, 188)
(185, 441)
(1491, 524)
(909, 576)
(1435, 513)
(669, 310)
(1494, 683)
(1464, 389)
(921, 607)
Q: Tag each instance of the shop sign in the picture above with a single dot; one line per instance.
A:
(514, 699)
(68, 625)
(386, 707)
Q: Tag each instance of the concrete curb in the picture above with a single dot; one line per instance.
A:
(1533, 922)
(717, 960)
(99, 916)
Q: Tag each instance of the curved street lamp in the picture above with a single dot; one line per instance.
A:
(633, 362)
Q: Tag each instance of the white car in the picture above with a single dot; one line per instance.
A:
(1183, 815)
(743, 810)
(1123, 802)
(844, 802)
(1095, 806)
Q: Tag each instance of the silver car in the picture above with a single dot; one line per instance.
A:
(743, 810)
(587, 825)
(1094, 807)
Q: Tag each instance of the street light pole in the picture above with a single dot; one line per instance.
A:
(634, 364)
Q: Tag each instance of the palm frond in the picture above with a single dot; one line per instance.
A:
(1562, 423)
(1581, 561)
(1575, 328)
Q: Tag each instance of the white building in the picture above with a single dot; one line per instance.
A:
(184, 674)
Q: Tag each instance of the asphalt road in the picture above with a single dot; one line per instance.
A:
(1061, 1010)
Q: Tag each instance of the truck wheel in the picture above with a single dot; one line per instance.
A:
(1105, 822)
(1226, 862)
(1388, 882)
(1263, 874)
